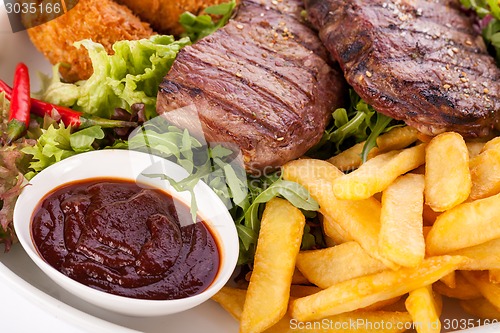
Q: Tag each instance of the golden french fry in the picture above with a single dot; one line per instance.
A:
(485, 174)
(447, 175)
(449, 280)
(401, 238)
(334, 231)
(360, 219)
(232, 300)
(466, 225)
(463, 289)
(378, 173)
(278, 244)
(490, 291)
(481, 308)
(382, 304)
(494, 275)
(492, 144)
(352, 322)
(484, 256)
(364, 291)
(332, 265)
(474, 148)
(297, 278)
(424, 310)
(309, 171)
(397, 138)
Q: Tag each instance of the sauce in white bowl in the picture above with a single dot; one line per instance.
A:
(131, 166)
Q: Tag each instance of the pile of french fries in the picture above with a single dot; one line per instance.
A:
(419, 220)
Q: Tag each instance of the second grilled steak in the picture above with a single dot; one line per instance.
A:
(418, 61)
(263, 82)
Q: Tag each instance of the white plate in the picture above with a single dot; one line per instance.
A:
(30, 301)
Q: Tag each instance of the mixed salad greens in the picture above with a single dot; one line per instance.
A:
(488, 11)
(128, 80)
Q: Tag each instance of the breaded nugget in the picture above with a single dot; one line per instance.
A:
(163, 15)
(103, 21)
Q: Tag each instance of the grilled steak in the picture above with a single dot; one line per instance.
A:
(419, 61)
(263, 82)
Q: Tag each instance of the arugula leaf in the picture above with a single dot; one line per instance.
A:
(197, 27)
(360, 122)
(371, 142)
(243, 195)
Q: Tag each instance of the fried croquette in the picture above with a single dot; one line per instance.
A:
(103, 21)
(163, 15)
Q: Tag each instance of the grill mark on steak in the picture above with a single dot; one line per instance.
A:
(417, 61)
(262, 82)
(242, 105)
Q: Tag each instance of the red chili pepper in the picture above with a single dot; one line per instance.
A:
(69, 117)
(20, 104)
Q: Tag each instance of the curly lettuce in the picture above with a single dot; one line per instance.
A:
(131, 75)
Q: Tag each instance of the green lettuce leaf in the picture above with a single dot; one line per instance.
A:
(57, 143)
(131, 75)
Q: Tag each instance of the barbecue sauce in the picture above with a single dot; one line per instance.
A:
(118, 237)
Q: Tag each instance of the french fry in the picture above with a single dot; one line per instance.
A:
(332, 265)
(494, 275)
(485, 174)
(360, 219)
(335, 231)
(447, 175)
(492, 144)
(378, 173)
(484, 256)
(401, 239)
(382, 304)
(232, 300)
(463, 289)
(278, 244)
(449, 280)
(490, 291)
(458, 227)
(352, 322)
(424, 309)
(481, 308)
(309, 171)
(364, 291)
(397, 138)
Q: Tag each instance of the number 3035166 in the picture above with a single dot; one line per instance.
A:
(462, 324)
(33, 8)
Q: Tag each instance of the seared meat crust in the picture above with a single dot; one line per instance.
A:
(263, 82)
(418, 61)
